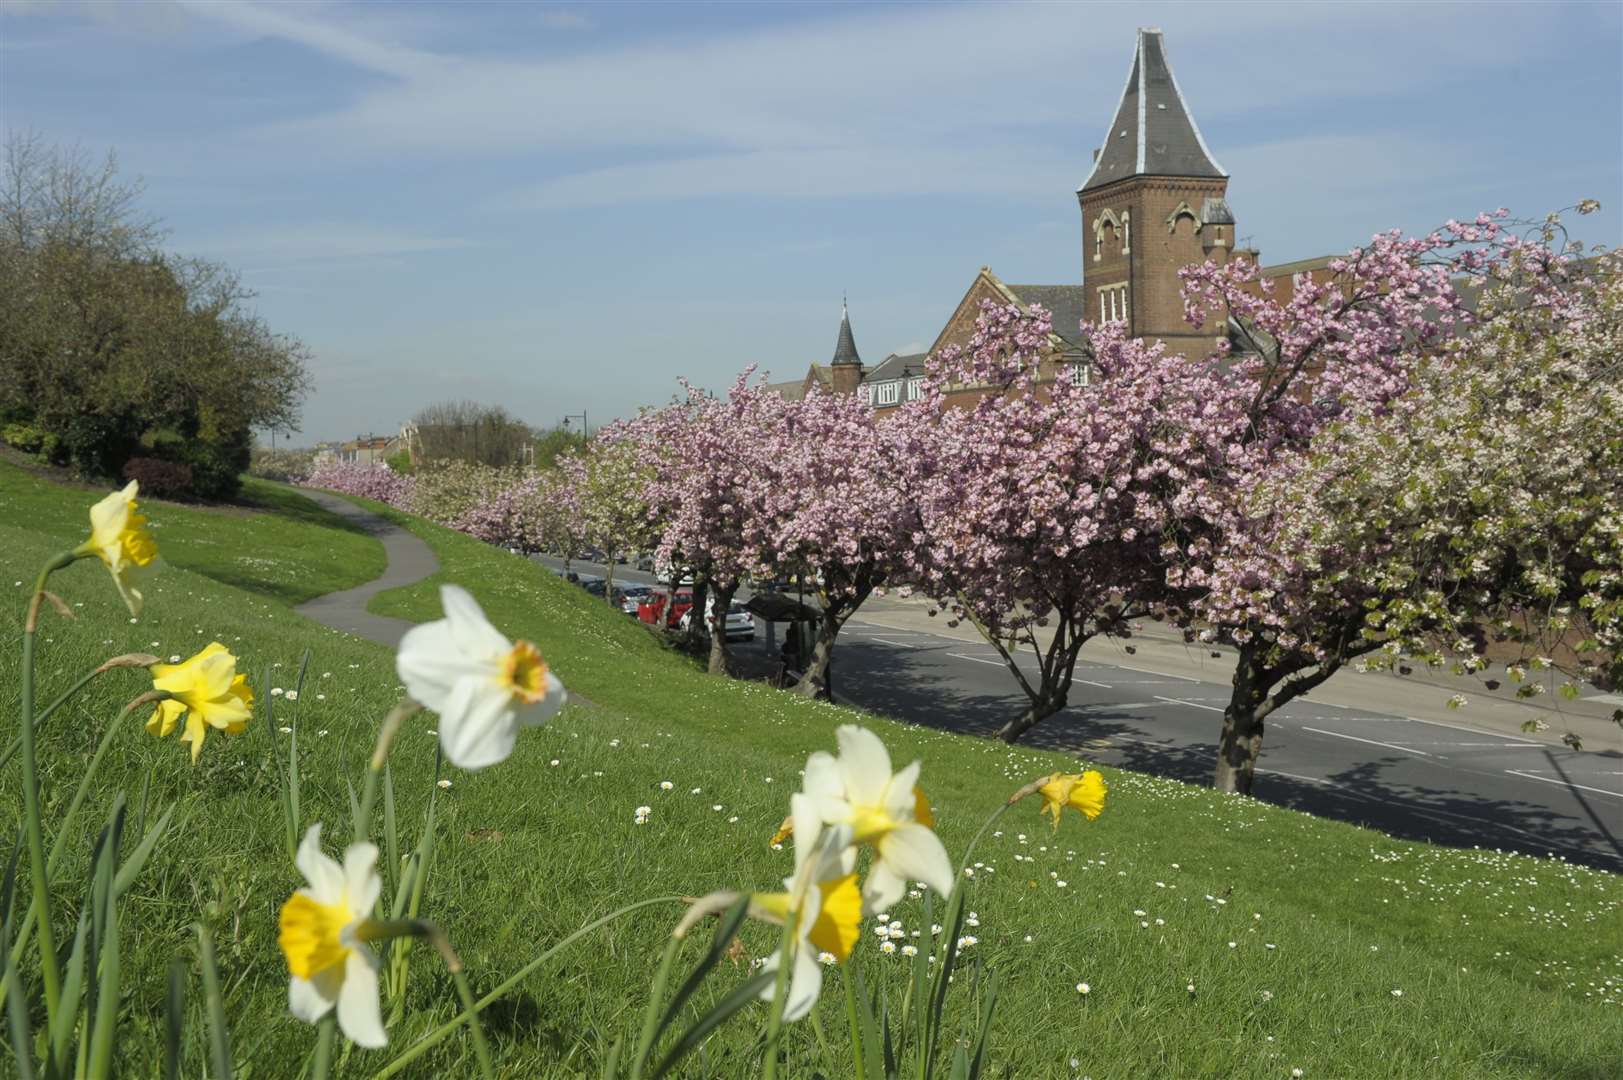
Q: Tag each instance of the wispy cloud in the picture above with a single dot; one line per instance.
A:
(563, 19)
(314, 242)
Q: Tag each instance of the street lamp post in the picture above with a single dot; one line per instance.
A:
(585, 430)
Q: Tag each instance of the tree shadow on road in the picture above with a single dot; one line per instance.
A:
(1368, 794)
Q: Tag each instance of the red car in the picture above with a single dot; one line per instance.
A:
(660, 606)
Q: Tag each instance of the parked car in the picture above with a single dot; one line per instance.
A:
(593, 585)
(633, 595)
(740, 624)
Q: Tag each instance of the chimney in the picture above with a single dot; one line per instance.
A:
(1095, 153)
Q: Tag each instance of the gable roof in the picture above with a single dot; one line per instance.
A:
(1066, 303)
(1153, 133)
(896, 366)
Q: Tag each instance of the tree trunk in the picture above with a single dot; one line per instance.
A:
(608, 582)
(720, 657)
(818, 680)
(1241, 740)
(1040, 709)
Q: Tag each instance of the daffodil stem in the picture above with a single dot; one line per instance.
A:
(650, 1020)
(50, 974)
(45, 714)
(374, 768)
(846, 976)
(1030, 789)
(65, 827)
(325, 1031)
(439, 1034)
(780, 994)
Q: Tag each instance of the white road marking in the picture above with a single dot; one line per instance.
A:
(1191, 704)
(1162, 674)
(1372, 742)
(1494, 745)
(977, 659)
(1455, 727)
(898, 644)
(1564, 783)
(1090, 682)
(1293, 776)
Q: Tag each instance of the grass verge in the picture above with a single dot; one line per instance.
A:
(1294, 932)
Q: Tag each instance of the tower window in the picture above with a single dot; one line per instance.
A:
(1113, 303)
(1126, 231)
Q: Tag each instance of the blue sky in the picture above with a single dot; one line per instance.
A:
(559, 207)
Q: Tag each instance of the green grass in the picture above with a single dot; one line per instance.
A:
(1510, 966)
(272, 541)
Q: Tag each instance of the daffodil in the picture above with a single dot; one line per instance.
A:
(324, 929)
(207, 691)
(483, 686)
(1084, 792)
(120, 539)
(821, 900)
(882, 809)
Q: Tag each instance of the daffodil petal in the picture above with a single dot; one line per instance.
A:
(864, 764)
(539, 713)
(429, 664)
(899, 797)
(359, 1014)
(883, 888)
(476, 725)
(360, 878)
(472, 631)
(325, 876)
(805, 984)
(914, 851)
(311, 999)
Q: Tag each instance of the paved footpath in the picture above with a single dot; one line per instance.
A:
(409, 561)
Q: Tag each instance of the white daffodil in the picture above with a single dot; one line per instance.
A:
(821, 897)
(857, 790)
(483, 686)
(323, 935)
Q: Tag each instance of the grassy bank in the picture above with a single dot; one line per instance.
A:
(1296, 934)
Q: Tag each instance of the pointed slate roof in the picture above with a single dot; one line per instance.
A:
(845, 350)
(1154, 133)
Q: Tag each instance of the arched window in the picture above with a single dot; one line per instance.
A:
(1126, 231)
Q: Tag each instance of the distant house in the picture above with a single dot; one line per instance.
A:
(369, 449)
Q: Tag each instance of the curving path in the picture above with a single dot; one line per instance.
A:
(409, 561)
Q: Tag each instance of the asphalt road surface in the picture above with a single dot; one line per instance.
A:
(1423, 779)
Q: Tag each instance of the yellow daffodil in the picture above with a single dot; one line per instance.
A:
(821, 898)
(885, 810)
(323, 934)
(119, 538)
(1084, 792)
(207, 691)
(484, 687)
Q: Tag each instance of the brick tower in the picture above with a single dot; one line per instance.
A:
(845, 370)
(1153, 202)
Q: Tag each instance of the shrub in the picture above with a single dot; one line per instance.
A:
(287, 466)
(218, 464)
(165, 479)
(24, 436)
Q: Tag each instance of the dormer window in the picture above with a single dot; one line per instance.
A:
(889, 393)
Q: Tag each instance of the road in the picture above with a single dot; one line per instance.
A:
(1374, 751)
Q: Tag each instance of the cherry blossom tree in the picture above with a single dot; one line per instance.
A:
(823, 505)
(1044, 509)
(602, 490)
(1358, 525)
(1482, 509)
(703, 455)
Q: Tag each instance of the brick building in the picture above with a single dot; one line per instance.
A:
(1155, 200)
